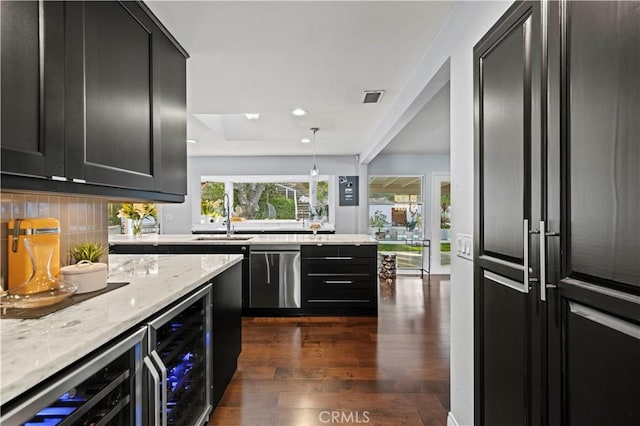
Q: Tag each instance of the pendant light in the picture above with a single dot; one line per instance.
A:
(314, 170)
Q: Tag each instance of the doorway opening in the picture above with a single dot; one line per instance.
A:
(441, 223)
(395, 219)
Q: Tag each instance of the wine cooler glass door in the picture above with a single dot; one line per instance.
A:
(104, 390)
(179, 342)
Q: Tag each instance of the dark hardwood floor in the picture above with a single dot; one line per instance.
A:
(390, 370)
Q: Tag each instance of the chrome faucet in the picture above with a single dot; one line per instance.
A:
(227, 212)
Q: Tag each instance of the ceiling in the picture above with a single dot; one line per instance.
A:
(428, 131)
(411, 185)
(271, 57)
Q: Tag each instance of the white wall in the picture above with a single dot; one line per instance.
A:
(468, 22)
(178, 218)
(452, 52)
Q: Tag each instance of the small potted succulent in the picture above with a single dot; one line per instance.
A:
(87, 274)
(88, 250)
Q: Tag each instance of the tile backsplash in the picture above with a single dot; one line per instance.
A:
(81, 219)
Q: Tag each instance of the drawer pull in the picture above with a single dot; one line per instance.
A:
(337, 258)
(339, 301)
(334, 274)
(338, 282)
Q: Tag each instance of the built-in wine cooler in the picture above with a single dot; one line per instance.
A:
(104, 390)
(179, 348)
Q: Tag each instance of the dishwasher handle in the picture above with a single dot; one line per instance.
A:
(266, 262)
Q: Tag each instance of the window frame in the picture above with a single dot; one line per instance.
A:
(229, 181)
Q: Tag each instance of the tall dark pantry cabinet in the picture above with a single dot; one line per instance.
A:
(557, 221)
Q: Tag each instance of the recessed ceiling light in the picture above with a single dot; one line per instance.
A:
(251, 116)
(299, 112)
(305, 140)
(192, 140)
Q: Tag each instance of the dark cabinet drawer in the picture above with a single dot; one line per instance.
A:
(330, 284)
(338, 295)
(361, 251)
(339, 278)
(318, 268)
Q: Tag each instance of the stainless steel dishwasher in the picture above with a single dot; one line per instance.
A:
(275, 277)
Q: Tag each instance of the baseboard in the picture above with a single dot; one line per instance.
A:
(451, 421)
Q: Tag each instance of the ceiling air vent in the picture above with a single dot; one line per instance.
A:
(372, 96)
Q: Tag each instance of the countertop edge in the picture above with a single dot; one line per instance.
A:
(255, 239)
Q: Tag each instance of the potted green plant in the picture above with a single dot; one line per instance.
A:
(378, 221)
(414, 220)
(445, 221)
(211, 210)
(88, 250)
(87, 274)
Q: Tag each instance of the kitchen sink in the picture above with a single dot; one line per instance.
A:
(223, 238)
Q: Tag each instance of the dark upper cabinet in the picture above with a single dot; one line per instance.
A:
(172, 75)
(111, 124)
(32, 88)
(101, 101)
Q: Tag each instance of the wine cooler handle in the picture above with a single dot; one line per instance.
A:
(525, 239)
(165, 394)
(156, 391)
(543, 262)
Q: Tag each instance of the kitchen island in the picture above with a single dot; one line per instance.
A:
(285, 274)
(35, 351)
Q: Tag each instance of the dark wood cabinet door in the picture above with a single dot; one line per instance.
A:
(173, 117)
(32, 35)
(227, 328)
(112, 118)
(594, 333)
(508, 314)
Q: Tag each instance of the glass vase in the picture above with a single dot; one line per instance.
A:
(42, 288)
(136, 228)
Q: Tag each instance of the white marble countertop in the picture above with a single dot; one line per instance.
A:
(32, 350)
(259, 226)
(254, 239)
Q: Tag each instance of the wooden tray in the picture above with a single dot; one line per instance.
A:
(34, 313)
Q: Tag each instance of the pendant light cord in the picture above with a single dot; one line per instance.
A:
(314, 130)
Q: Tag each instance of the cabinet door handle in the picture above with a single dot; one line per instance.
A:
(606, 320)
(337, 258)
(163, 374)
(338, 282)
(156, 391)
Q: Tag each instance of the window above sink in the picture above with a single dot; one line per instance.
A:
(263, 202)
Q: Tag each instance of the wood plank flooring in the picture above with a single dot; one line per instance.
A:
(390, 370)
